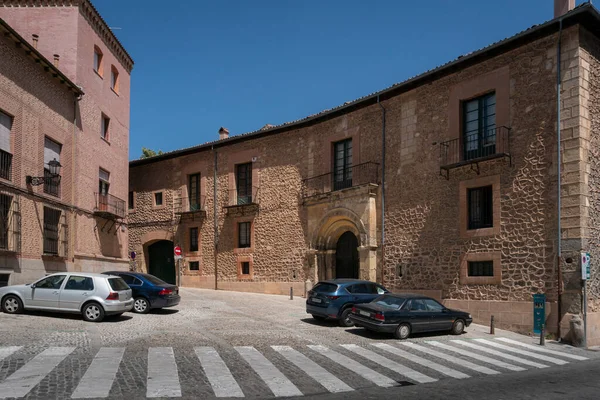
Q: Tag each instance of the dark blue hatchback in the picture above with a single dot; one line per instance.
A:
(148, 291)
(333, 299)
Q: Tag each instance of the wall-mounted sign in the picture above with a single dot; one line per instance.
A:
(585, 265)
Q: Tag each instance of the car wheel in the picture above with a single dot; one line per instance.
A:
(141, 305)
(11, 304)
(402, 331)
(345, 318)
(318, 317)
(458, 327)
(93, 312)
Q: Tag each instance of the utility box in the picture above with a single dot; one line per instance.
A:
(539, 312)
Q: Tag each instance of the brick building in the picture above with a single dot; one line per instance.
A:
(64, 96)
(446, 184)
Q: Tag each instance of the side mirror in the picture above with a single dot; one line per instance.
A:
(33, 285)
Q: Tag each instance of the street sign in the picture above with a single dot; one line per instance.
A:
(585, 265)
(132, 255)
(539, 312)
(177, 251)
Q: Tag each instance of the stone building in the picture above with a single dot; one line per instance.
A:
(446, 184)
(64, 138)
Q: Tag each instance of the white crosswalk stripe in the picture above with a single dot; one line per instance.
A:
(163, 379)
(499, 354)
(543, 349)
(452, 359)
(219, 376)
(522, 352)
(354, 366)
(99, 377)
(32, 373)
(7, 351)
(467, 353)
(312, 369)
(422, 361)
(386, 362)
(275, 380)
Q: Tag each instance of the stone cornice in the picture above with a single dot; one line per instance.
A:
(89, 12)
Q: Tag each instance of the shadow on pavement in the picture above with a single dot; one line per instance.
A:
(328, 323)
(163, 311)
(74, 317)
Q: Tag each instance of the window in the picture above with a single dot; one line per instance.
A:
(245, 268)
(158, 199)
(118, 284)
(114, 79)
(243, 234)
(79, 283)
(5, 152)
(342, 164)
(194, 265)
(51, 282)
(417, 305)
(103, 182)
(193, 239)
(98, 60)
(52, 151)
(480, 210)
(479, 126)
(433, 305)
(51, 237)
(131, 201)
(4, 280)
(127, 278)
(5, 204)
(363, 288)
(481, 268)
(194, 192)
(243, 183)
(104, 124)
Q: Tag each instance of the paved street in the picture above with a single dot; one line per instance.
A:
(228, 344)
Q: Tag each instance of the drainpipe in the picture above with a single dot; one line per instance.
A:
(216, 235)
(559, 244)
(382, 191)
(73, 230)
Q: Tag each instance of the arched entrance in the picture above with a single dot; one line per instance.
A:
(346, 256)
(161, 261)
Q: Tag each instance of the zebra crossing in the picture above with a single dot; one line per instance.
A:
(380, 364)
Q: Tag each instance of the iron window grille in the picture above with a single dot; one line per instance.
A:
(5, 165)
(243, 234)
(342, 164)
(193, 239)
(481, 268)
(243, 183)
(479, 126)
(480, 204)
(55, 232)
(10, 223)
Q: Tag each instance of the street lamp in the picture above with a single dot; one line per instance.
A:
(54, 169)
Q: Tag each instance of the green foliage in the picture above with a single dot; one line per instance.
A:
(146, 153)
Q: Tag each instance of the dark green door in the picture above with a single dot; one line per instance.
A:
(162, 262)
(346, 256)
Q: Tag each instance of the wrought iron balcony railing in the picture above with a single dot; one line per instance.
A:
(5, 165)
(108, 206)
(192, 204)
(356, 175)
(243, 196)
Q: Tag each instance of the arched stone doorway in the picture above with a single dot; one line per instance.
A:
(346, 256)
(161, 261)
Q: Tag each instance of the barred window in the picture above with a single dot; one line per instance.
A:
(481, 213)
(481, 268)
(51, 236)
(243, 234)
(193, 239)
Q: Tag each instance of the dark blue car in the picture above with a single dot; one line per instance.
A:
(333, 299)
(148, 291)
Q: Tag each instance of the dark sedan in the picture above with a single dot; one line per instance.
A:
(404, 314)
(148, 291)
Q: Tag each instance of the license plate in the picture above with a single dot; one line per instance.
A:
(315, 300)
(365, 313)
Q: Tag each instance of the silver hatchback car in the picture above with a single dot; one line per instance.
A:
(92, 295)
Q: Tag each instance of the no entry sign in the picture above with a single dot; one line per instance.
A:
(177, 251)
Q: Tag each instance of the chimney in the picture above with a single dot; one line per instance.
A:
(34, 40)
(56, 58)
(561, 7)
(223, 133)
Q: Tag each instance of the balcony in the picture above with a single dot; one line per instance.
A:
(109, 207)
(357, 175)
(194, 207)
(473, 149)
(242, 202)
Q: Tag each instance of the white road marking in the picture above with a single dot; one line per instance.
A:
(499, 353)
(386, 362)
(275, 380)
(163, 379)
(354, 366)
(422, 361)
(99, 377)
(219, 376)
(523, 352)
(32, 373)
(314, 370)
(7, 351)
(452, 359)
(543, 349)
(476, 356)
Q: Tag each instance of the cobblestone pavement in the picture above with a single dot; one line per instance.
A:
(229, 344)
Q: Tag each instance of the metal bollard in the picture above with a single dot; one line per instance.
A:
(543, 335)
(291, 293)
(492, 326)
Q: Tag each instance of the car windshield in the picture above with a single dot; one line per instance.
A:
(154, 280)
(324, 288)
(390, 302)
(117, 284)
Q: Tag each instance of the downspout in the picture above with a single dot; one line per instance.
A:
(73, 232)
(382, 191)
(216, 235)
(559, 244)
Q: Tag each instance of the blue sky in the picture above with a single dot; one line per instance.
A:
(200, 65)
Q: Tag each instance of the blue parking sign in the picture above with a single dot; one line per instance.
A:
(539, 312)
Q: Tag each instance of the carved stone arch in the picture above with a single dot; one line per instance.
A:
(333, 224)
